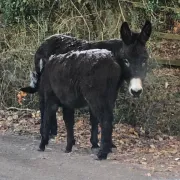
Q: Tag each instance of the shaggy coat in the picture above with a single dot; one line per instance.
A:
(77, 79)
(130, 52)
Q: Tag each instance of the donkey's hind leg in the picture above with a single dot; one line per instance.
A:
(53, 127)
(68, 116)
(50, 107)
(53, 124)
(94, 130)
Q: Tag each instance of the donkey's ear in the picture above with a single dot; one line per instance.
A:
(126, 33)
(145, 32)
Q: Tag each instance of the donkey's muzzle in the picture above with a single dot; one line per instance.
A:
(136, 93)
(135, 87)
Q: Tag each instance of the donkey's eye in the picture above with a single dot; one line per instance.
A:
(143, 64)
(126, 62)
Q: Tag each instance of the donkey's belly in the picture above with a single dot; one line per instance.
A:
(71, 100)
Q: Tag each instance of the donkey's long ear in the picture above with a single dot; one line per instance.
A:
(126, 33)
(145, 32)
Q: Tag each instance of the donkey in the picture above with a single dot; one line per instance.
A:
(77, 79)
(130, 52)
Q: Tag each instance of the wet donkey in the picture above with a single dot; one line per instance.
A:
(130, 52)
(92, 78)
(78, 79)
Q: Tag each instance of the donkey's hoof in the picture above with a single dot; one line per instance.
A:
(101, 155)
(41, 150)
(95, 146)
(41, 147)
(52, 136)
(114, 146)
(68, 149)
(73, 142)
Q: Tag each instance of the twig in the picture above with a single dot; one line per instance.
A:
(19, 109)
(83, 19)
(92, 17)
(121, 11)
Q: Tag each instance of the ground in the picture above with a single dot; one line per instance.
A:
(135, 156)
(19, 160)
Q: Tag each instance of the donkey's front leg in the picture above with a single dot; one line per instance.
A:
(68, 116)
(106, 135)
(94, 132)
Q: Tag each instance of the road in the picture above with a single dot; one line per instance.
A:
(20, 160)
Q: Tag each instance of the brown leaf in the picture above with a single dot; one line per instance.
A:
(152, 146)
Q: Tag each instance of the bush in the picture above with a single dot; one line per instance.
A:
(91, 20)
(159, 106)
(19, 11)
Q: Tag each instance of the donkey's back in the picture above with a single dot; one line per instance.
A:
(76, 76)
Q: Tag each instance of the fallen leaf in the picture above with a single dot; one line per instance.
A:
(20, 96)
(152, 146)
(171, 137)
(144, 163)
(15, 117)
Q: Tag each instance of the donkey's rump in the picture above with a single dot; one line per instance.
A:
(54, 45)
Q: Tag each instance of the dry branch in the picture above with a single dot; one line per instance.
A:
(170, 62)
(141, 5)
(167, 36)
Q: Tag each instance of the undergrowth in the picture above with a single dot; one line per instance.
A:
(157, 109)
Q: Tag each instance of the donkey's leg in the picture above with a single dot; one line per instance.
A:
(106, 119)
(42, 109)
(53, 128)
(102, 109)
(94, 130)
(50, 107)
(53, 125)
(68, 116)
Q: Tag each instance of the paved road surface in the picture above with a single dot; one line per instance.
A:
(20, 160)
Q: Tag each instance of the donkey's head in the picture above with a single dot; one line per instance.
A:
(134, 56)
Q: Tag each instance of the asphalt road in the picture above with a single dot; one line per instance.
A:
(20, 160)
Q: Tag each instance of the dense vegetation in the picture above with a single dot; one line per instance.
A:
(25, 23)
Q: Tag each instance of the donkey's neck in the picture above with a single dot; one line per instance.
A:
(114, 45)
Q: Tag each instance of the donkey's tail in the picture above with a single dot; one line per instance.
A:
(34, 83)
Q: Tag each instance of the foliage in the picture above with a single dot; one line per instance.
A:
(28, 22)
(15, 11)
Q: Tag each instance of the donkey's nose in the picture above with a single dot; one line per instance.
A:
(136, 93)
(135, 87)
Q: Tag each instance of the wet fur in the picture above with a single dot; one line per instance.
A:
(131, 46)
(75, 80)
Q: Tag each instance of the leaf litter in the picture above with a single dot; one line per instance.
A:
(160, 153)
